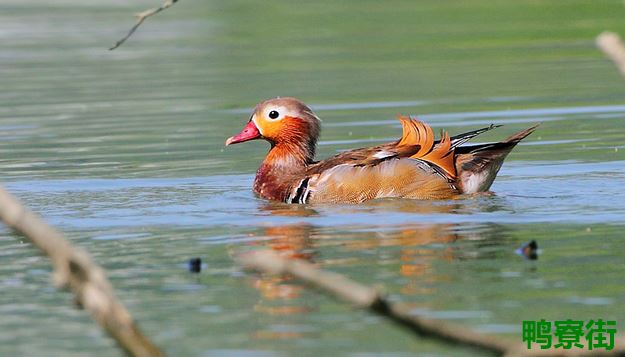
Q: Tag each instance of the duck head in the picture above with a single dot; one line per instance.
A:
(286, 123)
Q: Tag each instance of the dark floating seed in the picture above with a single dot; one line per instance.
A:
(195, 265)
(529, 250)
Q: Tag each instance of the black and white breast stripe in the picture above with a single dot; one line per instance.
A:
(301, 193)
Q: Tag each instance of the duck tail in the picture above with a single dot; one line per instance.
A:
(478, 165)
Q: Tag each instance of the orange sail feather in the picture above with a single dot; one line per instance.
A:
(417, 133)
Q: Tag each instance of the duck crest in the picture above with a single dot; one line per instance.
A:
(417, 133)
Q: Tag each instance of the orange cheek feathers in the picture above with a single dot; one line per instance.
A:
(280, 130)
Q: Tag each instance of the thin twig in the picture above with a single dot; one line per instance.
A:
(141, 17)
(612, 45)
(74, 269)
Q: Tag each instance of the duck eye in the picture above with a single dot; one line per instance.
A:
(274, 114)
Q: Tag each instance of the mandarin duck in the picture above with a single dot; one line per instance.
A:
(416, 166)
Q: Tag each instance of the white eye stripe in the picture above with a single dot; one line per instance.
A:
(275, 113)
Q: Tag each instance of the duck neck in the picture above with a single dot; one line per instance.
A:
(283, 167)
(290, 156)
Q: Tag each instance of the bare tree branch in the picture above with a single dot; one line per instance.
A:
(366, 297)
(140, 18)
(74, 269)
(362, 296)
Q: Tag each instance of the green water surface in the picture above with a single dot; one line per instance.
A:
(123, 151)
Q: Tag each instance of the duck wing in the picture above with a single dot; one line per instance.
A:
(417, 142)
(414, 166)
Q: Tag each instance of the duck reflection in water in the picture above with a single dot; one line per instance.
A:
(282, 296)
(412, 251)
